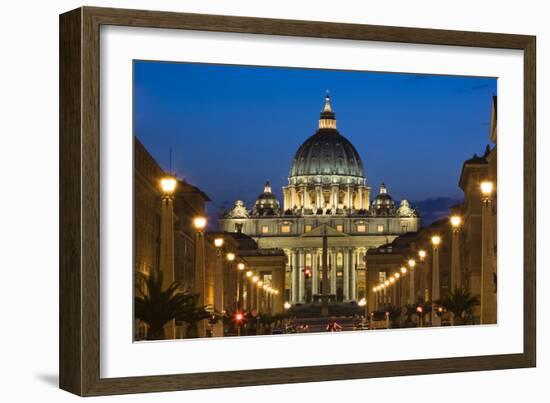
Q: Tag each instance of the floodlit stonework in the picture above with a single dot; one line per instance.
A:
(327, 192)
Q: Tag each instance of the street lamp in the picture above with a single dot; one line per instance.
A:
(199, 223)
(422, 254)
(403, 270)
(363, 304)
(486, 190)
(436, 241)
(241, 267)
(168, 185)
(218, 242)
(456, 222)
(287, 305)
(230, 256)
(412, 295)
(200, 267)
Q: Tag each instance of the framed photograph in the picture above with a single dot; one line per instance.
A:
(251, 201)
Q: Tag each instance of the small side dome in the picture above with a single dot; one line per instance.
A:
(383, 204)
(266, 203)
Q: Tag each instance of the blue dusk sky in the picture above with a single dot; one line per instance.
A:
(231, 128)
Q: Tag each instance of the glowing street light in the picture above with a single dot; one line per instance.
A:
(387, 283)
(255, 279)
(403, 270)
(248, 273)
(218, 242)
(199, 223)
(411, 263)
(422, 254)
(287, 305)
(397, 275)
(241, 267)
(230, 256)
(168, 185)
(436, 240)
(486, 189)
(455, 220)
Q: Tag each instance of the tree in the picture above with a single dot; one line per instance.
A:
(157, 306)
(461, 304)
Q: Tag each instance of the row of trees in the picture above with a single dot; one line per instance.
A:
(156, 307)
(460, 303)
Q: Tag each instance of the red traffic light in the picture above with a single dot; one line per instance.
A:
(307, 273)
(239, 317)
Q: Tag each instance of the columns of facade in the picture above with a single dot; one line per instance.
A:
(333, 256)
(353, 253)
(292, 197)
(319, 197)
(286, 198)
(305, 197)
(346, 274)
(334, 196)
(315, 274)
(301, 278)
(363, 198)
(360, 196)
(349, 199)
(294, 277)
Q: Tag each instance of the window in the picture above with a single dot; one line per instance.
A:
(380, 228)
(340, 228)
(404, 226)
(361, 228)
(307, 228)
(285, 229)
(265, 229)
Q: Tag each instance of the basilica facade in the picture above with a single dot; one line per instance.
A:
(327, 195)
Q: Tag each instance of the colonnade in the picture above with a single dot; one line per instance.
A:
(342, 272)
(318, 196)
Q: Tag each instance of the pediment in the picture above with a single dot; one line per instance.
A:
(322, 230)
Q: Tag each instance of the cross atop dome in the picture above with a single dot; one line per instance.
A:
(328, 118)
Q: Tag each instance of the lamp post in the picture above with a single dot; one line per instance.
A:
(436, 240)
(488, 274)
(200, 268)
(248, 299)
(240, 270)
(166, 258)
(217, 328)
(424, 288)
(456, 223)
(412, 264)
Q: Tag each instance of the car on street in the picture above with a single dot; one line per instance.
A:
(379, 320)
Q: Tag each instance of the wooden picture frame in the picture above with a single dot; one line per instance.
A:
(80, 198)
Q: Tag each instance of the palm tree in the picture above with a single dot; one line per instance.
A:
(157, 306)
(461, 304)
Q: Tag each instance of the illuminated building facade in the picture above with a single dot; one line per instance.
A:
(327, 192)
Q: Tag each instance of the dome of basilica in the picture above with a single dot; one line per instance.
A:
(327, 156)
